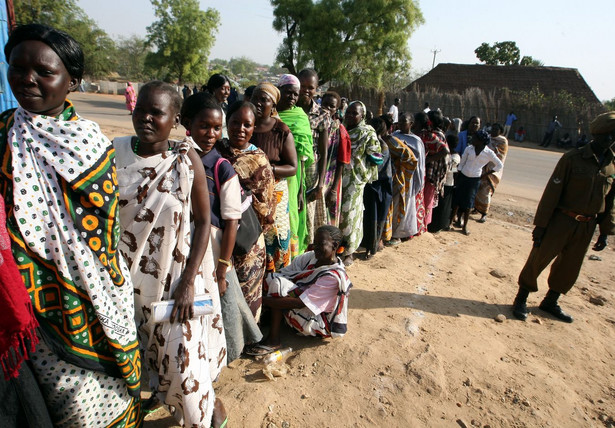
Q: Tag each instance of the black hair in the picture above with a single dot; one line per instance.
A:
(62, 44)
(237, 106)
(196, 103)
(446, 122)
(215, 81)
(176, 99)
(408, 115)
(436, 119)
(421, 119)
(308, 72)
(334, 232)
(249, 91)
(387, 119)
(497, 126)
(369, 115)
(333, 94)
(379, 125)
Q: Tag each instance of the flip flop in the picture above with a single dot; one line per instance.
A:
(259, 349)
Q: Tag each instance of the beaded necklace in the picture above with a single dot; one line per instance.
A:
(135, 149)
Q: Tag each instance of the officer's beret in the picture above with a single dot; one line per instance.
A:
(603, 124)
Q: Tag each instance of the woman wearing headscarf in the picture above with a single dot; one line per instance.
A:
(299, 124)
(490, 179)
(362, 169)
(274, 138)
(59, 182)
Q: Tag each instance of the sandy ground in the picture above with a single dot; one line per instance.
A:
(424, 350)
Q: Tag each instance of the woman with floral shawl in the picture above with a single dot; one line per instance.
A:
(164, 213)
(362, 169)
(131, 97)
(256, 175)
(488, 182)
(273, 137)
(299, 123)
(59, 183)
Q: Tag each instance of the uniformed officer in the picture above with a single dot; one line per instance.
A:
(578, 196)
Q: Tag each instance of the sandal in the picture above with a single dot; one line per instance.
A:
(151, 405)
(393, 242)
(259, 349)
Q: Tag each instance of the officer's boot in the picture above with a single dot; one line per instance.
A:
(520, 304)
(549, 304)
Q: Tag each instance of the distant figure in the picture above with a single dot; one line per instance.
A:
(195, 90)
(565, 141)
(520, 134)
(369, 115)
(342, 110)
(247, 94)
(553, 125)
(426, 108)
(131, 97)
(394, 111)
(186, 91)
(509, 121)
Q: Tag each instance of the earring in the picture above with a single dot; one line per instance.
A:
(187, 133)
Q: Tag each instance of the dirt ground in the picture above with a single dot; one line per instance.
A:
(423, 347)
(424, 350)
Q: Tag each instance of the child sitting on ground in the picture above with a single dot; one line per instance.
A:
(311, 293)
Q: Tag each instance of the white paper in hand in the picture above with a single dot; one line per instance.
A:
(161, 311)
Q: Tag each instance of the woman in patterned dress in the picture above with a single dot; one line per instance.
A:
(363, 168)
(256, 175)
(274, 138)
(162, 185)
(59, 182)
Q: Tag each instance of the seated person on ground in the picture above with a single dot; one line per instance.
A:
(565, 141)
(520, 134)
(311, 294)
(582, 141)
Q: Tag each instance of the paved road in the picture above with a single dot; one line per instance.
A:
(526, 171)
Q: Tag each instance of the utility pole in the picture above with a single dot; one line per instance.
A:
(435, 52)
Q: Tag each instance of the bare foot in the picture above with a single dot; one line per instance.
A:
(219, 418)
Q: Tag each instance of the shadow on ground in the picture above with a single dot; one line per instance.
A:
(449, 306)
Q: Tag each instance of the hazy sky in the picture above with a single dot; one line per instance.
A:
(560, 33)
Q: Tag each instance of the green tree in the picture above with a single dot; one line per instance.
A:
(131, 53)
(610, 104)
(243, 67)
(98, 47)
(362, 41)
(183, 35)
(531, 62)
(501, 53)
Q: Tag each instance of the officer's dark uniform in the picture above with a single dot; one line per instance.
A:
(578, 196)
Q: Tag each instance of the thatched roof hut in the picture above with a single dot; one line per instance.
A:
(456, 78)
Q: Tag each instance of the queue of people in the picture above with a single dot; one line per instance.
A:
(261, 207)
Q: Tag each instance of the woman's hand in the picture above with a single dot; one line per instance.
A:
(220, 277)
(184, 300)
(300, 201)
(331, 198)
